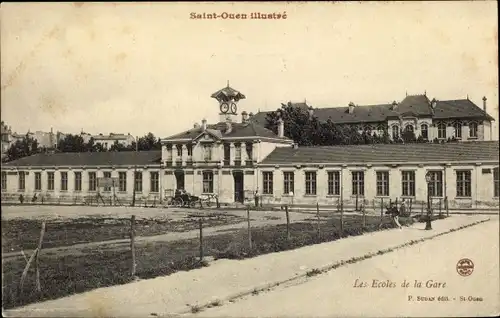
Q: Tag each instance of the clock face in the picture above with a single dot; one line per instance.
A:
(224, 107)
(233, 108)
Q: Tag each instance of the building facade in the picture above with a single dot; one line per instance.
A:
(459, 119)
(238, 157)
(108, 140)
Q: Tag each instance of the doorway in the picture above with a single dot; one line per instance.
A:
(179, 178)
(238, 186)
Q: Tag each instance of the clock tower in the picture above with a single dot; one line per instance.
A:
(228, 103)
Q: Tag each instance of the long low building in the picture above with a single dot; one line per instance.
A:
(467, 174)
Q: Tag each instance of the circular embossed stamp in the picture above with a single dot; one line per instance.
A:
(465, 267)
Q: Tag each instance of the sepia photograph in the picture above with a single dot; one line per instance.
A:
(250, 159)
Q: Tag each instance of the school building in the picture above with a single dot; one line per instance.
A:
(238, 156)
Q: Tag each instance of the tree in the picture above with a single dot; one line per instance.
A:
(147, 142)
(72, 143)
(117, 146)
(22, 148)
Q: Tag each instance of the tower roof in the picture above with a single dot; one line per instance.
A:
(228, 93)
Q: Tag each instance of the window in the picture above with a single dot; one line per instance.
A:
(496, 188)
(38, 181)
(267, 180)
(179, 150)
(249, 149)
(78, 181)
(463, 183)
(458, 129)
(155, 181)
(190, 150)
(237, 152)
(424, 131)
(288, 182)
(22, 181)
(50, 181)
(107, 175)
(4, 181)
(64, 181)
(409, 128)
(383, 183)
(207, 152)
(92, 181)
(333, 183)
(395, 132)
(122, 181)
(310, 183)
(208, 182)
(408, 185)
(358, 183)
(169, 152)
(473, 130)
(138, 181)
(435, 186)
(441, 130)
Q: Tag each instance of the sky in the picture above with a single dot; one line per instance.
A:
(148, 67)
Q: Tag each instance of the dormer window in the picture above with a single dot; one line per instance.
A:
(473, 130)
(207, 152)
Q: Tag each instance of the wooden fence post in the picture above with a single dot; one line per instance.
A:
(287, 223)
(317, 217)
(132, 244)
(440, 203)
(342, 219)
(357, 208)
(32, 258)
(201, 238)
(381, 211)
(411, 204)
(364, 216)
(447, 207)
(249, 231)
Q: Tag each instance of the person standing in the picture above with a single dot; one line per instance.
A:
(394, 213)
(402, 208)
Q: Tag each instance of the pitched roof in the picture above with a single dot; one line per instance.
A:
(459, 108)
(383, 153)
(120, 158)
(228, 92)
(248, 129)
(412, 105)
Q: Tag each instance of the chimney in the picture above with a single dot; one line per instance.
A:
(351, 107)
(204, 124)
(433, 103)
(281, 128)
(229, 126)
(244, 116)
(196, 125)
(394, 105)
(311, 111)
(484, 103)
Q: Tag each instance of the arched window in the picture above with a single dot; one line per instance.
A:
(441, 130)
(395, 132)
(424, 131)
(409, 128)
(473, 129)
(458, 129)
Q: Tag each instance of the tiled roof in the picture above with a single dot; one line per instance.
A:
(249, 129)
(119, 158)
(413, 105)
(460, 108)
(391, 153)
(228, 92)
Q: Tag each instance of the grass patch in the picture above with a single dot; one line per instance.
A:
(63, 275)
(313, 272)
(18, 234)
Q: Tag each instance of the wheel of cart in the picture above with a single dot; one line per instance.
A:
(178, 202)
(168, 199)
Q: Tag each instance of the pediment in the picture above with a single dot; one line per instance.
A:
(206, 136)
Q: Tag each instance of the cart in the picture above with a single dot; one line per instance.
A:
(180, 198)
